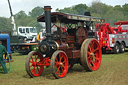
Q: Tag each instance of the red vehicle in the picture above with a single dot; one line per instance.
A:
(67, 43)
(113, 38)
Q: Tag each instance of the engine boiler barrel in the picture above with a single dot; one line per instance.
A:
(62, 46)
(47, 10)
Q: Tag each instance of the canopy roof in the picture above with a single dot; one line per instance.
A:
(69, 18)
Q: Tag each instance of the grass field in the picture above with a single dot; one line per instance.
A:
(113, 71)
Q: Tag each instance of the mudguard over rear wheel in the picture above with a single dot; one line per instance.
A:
(91, 55)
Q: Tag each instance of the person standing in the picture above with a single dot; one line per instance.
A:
(3, 50)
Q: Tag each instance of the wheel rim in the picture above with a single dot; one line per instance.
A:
(117, 49)
(34, 68)
(60, 66)
(94, 55)
(122, 47)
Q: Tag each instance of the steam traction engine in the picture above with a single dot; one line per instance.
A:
(66, 44)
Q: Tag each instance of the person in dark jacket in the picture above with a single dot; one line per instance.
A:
(3, 50)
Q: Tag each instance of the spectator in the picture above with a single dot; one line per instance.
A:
(2, 50)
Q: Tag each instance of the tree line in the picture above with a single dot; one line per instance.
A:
(22, 19)
(110, 13)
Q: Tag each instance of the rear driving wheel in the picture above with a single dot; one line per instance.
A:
(122, 48)
(116, 48)
(31, 64)
(59, 64)
(91, 55)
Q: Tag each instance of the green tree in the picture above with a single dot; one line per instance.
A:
(118, 7)
(76, 9)
(99, 8)
(5, 24)
(36, 12)
(80, 8)
(22, 19)
(20, 14)
(113, 16)
(34, 23)
(125, 10)
(67, 10)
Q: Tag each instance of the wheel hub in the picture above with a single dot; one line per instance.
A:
(122, 48)
(117, 49)
(61, 64)
(92, 54)
(92, 57)
(34, 63)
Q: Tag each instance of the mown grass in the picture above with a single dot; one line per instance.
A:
(113, 71)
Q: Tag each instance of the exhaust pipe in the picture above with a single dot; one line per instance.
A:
(47, 10)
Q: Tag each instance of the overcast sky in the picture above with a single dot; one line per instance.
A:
(28, 5)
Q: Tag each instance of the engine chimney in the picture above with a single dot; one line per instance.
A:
(47, 10)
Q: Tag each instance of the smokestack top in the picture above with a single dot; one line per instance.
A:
(47, 8)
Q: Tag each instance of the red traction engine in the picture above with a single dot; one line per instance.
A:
(66, 44)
